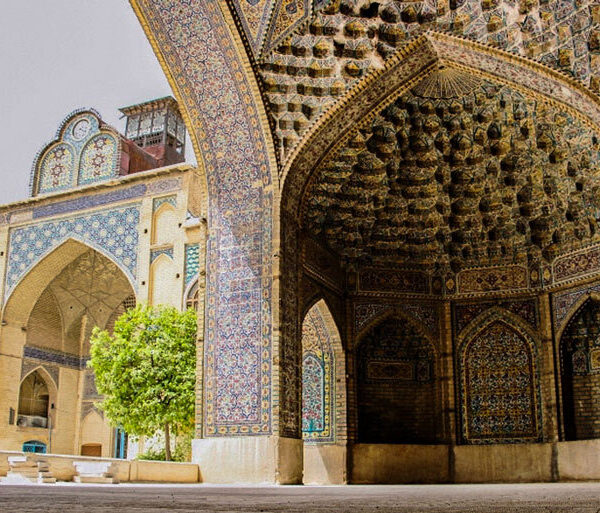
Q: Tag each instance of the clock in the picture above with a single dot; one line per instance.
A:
(80, 129)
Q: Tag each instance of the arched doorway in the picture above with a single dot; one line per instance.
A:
(580, 373)
(396, 387)
(323, 398)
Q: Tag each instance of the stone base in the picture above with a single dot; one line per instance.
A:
(249, 459)
(393, 464)
(325, 464)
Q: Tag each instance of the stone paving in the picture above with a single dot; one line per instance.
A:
(528, 498)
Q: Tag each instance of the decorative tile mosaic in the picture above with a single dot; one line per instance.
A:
(165, 200)
(499, 386)
(84, 151)
(318, 380)
(578, 264)
(57, 357)
(394, 281)
(254, 16)
(364, 313)
(487, 280)
(155, 253)
(464, 313)
(112, 232)
(563, 302)
(56, 169)
(99, 159)
(197, 46)
(192, 262)
(287, 15)
(162, 186)
(88, 201)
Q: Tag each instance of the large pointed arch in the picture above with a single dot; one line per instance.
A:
(22, 297)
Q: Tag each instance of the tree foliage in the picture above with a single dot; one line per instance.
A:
(146, 370)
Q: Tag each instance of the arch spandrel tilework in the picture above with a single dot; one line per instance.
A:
(113, 232)
(499, 383)
(222, 108)
(318, 380)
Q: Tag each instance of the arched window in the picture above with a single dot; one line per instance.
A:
(34, 398)
(192, 298)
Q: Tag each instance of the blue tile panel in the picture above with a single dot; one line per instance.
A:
(112, 232)
(58, 357)
(192, 262)
(155, 253)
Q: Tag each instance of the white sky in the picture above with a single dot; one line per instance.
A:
(57, 56)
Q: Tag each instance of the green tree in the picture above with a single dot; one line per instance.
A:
(146, 371)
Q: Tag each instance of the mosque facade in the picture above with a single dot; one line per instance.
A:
(109, 223)
(402, 255)
(397, 250)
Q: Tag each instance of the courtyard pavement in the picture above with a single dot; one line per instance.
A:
(126, 498)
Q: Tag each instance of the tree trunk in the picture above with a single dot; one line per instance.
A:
(167, 443)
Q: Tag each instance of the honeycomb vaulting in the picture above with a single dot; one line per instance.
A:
(347, 38)
(459, 171)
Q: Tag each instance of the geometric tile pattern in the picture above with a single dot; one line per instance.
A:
(56, 170)
(499, 386)
(464, 313)
(112, 232)
(318, 382)
(99, 159)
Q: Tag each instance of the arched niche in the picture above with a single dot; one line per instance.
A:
(164, 224)
(191, 296)
(499, 384)
(162, 276)
(580, 372)
(397, 397)
(37, 395)
(64, 300)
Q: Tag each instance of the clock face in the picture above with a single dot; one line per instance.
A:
(81, 129)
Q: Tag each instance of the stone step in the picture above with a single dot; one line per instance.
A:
(23, 464)
(25, 473)
(46, 480)
(89, 479)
